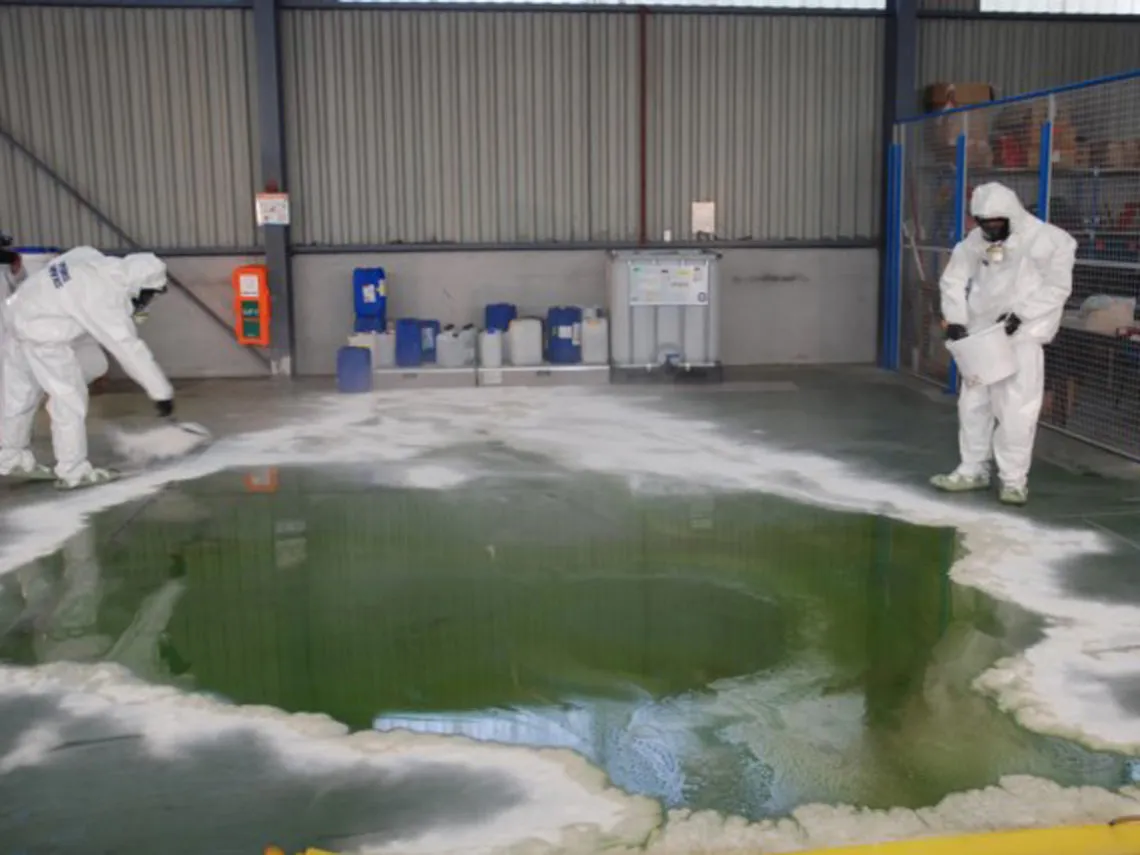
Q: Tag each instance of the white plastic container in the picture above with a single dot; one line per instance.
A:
(450, 351)
(384, 355)
(468, 336)
(491, 349)
(595, 341)
(985, 357)
(382, 346)
(367, 340)
(524, 342)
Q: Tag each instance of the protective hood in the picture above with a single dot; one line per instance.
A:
(143, 271)
(995, 201)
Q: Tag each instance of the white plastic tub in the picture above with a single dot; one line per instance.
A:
(985, 357)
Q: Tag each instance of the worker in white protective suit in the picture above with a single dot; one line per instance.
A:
(10, 274)
(14, 271)
(1016, 270)
(81, 294)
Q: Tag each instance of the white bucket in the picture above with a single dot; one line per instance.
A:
(984, 357)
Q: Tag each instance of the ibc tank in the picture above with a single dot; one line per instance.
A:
(409, 343)
(664, 304)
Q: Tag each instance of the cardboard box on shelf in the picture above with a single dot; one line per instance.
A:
(1065, 158)
(1039, 113)
(943, 96)
(1117, 155)
(1089, 154)
(1064, 135)
(943, 133)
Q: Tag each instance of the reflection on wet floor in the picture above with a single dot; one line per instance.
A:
(734, 652)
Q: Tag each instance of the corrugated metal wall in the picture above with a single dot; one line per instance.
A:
(489, 127)
(480, 126)
(449, 126)
(1023, 56)
(776, 119)
(149, 113)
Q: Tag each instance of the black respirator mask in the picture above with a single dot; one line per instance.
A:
(139, 304)
(995, 229)
(7, 256)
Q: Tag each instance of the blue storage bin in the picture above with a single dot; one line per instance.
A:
(370, 298)
(354, 370)
(409, 343)
(429, 331)
(498, 316)
(564, 335)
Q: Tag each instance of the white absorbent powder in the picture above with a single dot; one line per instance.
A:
(165, 442)
(1062, 685)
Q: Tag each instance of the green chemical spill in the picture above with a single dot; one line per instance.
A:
(733, 652)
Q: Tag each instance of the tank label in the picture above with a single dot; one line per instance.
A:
(668, 283)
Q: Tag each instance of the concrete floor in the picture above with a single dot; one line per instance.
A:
(899, 430)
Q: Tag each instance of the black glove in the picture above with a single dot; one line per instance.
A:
(165, 409)
(1011, 321)
(955, 332)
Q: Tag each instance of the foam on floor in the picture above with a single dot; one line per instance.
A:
(1063, 685)
(569, 807)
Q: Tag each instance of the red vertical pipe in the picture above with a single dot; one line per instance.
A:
(643, 120)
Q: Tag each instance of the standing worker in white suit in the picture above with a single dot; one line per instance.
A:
(1016, 270)
(10, 269)
(81, 293)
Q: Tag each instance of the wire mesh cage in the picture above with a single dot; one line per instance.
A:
(1073, 157)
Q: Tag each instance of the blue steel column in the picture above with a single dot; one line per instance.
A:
(270, 115)
(1045, 165)
(900, 96)
(960, 186)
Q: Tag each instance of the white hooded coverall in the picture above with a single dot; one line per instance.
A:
(1032, 279)
(81, 295)
(91, 357)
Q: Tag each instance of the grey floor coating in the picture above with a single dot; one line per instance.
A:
(901, 430)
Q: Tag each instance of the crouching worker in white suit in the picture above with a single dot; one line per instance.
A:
(81, 294)
(1016, 270)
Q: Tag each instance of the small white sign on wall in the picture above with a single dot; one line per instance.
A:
(704, 218)
(273, 209)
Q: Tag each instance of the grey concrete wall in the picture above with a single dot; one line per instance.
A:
(778, 306)
(185, 342)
